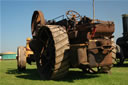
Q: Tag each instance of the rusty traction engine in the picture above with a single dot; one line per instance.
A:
(123, 41)
(72, 42)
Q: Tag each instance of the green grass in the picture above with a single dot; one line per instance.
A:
(10, 76)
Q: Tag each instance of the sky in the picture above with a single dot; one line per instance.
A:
(15, 16)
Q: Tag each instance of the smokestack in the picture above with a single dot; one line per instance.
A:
(125, 24)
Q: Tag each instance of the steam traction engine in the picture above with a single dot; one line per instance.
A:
(73, 42)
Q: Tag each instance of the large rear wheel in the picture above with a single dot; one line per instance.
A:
(52, 60)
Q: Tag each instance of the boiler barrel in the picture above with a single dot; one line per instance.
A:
(125, 24)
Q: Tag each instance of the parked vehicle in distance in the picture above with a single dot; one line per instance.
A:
(123, 41)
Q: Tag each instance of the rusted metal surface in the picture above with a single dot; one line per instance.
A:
(84, 32)
(104, 29)
(99, 52)
(78, 56)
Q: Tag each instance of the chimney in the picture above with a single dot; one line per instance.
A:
(125, 24)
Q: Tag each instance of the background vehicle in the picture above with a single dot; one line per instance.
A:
(123, 41)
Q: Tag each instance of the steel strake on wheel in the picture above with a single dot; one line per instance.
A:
(52, 61)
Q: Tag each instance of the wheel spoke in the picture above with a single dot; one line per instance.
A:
(70, 14)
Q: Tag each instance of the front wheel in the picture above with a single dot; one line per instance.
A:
(21, 58)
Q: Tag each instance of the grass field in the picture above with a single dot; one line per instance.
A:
(10, 76)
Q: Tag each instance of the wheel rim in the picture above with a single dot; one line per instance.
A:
(70, 14)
